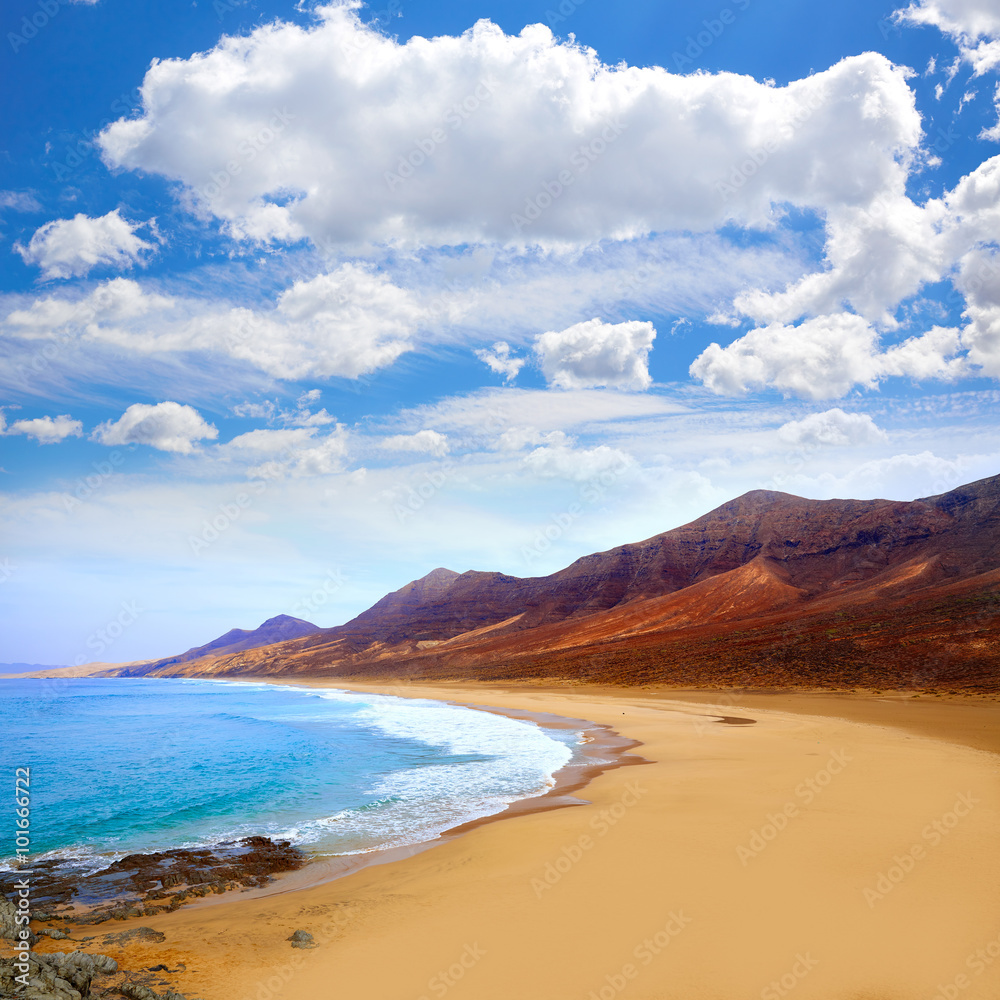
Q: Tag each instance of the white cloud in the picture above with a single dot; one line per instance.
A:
(821, 359)
(68, 248)
(166, 426)
(824, 358)
(48, 430)
(19, 201)
(594, 353)
(301, 416)
(576, 464)
(974, 25)
(500, 360)
(428, 441)
(347, 322)
(492, 412)
(993, 134)
(832, 427)
(979, 280)
(118, 301)
(876, 256)
(295, 452)
(518, 438)
(904, 477)
(270, 442)
(265, 410)
(290, 132)
(932, 355)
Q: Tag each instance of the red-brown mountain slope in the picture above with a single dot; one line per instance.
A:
(765, 589)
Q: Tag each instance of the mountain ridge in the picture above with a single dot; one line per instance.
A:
(784, 568)
(279, 628)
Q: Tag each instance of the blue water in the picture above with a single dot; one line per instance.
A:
(122, 766)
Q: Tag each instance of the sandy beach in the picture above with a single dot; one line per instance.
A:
(838, 848)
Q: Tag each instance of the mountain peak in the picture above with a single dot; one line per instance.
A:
(280, 620)
(439, 575)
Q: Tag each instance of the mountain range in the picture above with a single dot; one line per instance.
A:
(767, 590)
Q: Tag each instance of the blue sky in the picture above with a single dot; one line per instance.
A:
(302, 302)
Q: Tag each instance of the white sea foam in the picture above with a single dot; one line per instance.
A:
(506, 760)
(517, 760)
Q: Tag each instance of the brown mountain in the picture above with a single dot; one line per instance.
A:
(280, 628)
(768, 589)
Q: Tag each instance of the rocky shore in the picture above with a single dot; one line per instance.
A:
(66, 902)
(147, 884)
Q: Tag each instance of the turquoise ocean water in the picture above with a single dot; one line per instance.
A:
(123, 766)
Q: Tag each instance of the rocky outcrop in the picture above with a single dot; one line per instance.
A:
(142, 885)
(77, 976)
(56, 976)
(10, 928)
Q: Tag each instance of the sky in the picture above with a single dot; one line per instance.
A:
(301, 302)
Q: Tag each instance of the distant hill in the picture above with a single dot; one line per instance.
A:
(277, 629)
(767, 590)
(26, 668)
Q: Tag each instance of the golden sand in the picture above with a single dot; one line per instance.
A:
(806, 855)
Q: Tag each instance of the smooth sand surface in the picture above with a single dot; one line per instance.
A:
(733, 866)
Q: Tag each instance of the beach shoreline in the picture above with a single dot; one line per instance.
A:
(508, 907)
(604, 750)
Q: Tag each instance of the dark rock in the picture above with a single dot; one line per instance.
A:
(136, 934)
(56, 976)
(302, 939)
(137, 991)
(120, 891)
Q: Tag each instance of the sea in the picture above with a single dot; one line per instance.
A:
(133, 765)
